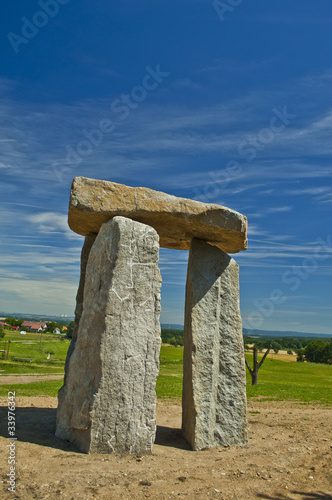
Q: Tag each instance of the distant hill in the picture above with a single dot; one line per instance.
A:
(38, 317)
(171, 326)
(259, 333)
(276, 333)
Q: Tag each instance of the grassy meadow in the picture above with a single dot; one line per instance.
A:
(28, 355)
(278, 380)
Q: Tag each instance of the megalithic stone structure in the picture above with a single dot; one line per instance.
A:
(108, 401)
(214, 407)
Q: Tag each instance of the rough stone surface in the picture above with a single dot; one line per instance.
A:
(214, 385)
(88, 242)
(177, 220)
(108, 401)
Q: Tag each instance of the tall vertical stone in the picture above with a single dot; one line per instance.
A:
(214, 409)
(108, 401)
(88, 242)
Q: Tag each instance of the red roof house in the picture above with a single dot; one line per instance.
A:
(34, 326)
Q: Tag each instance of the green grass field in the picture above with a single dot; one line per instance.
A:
(29, 347)
(278, 380)
(169, 382)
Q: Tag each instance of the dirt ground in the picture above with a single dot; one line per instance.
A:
(288, 457)
(27, 378)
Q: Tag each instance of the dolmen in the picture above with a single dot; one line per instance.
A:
(107, 403)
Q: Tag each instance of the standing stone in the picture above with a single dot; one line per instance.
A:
(214, 409)
(108, 403)
(88, 242)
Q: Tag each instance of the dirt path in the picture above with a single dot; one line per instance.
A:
(288, 457)
(27, 378)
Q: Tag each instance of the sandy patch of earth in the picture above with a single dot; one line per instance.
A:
(281, 356)
(28, 378)
(288, 457)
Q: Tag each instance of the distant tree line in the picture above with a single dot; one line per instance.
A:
(173, 337)
(317, 351)
(13, 321)
(279, 343)
(307, 349)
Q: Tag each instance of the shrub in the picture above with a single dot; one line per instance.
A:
(319, 351)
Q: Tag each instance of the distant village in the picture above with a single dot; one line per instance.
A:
(24, 326)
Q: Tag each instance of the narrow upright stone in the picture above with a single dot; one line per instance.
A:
(214, 407)
(88, 242)
(108, 401)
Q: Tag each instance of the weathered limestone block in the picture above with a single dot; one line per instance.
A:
(177, 220)
(108, 401)
(214, 408)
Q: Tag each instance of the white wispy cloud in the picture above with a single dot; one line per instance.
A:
(40, 295)
(51, 222)
(36, 258)
(309, 191)
(156, 137)
(276, 210)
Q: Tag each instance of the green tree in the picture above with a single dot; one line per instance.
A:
(11, 321)
(319, 351)
(70, 329)
(327, 354)
(14, 322)
(276, 346)
(51, 326)
(300, 355)
(2, 332)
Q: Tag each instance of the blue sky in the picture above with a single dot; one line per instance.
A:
(225, 102)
